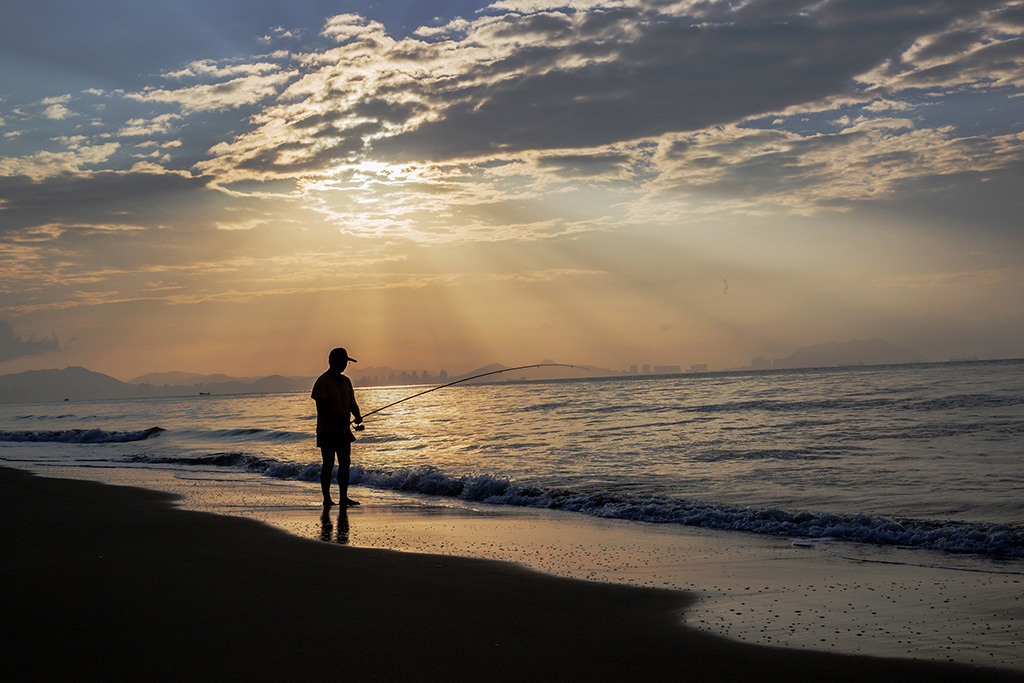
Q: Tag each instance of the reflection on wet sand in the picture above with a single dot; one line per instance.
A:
(327, 526)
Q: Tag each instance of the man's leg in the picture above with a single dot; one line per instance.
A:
(326, 471)
(344, 460)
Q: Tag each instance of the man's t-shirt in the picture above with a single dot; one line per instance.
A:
(335, 402)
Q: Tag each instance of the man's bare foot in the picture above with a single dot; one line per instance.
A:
(351, 503)
(329, 503)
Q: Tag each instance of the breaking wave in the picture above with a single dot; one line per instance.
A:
(269, 467)
(993, 540)
(79, 435)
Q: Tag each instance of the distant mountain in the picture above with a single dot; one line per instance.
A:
(265, 385)
(186, 378)
(853, 352)
(55, 385)
(74, 383)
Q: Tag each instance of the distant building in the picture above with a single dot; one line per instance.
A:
(666, 369)
(699, 367)
(647, 369)
(633, 370)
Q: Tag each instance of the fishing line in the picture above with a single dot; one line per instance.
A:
(466, 379)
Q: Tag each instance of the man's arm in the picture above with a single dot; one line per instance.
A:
(355, 406)
(323, 406)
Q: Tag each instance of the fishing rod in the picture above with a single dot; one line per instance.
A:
(466, 379)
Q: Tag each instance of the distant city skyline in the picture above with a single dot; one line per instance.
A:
(240, 186)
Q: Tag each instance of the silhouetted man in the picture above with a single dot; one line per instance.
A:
(335, 401)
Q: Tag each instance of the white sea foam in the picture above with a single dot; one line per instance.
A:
(995, 540)
(93, 435)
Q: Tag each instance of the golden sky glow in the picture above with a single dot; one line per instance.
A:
(605, 183)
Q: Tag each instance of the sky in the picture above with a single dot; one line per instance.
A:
(239, 186)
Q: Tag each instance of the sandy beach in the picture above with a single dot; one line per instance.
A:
(843, 598)
(116, 582)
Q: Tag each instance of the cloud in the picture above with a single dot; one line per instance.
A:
(106, 198)
(870, 159)
(46, 164)
(756, 106)
(584, 165)
(13, 346)
(557, 79)
(213, 69)
(978, 50)
(57, 112)
(573, 91)
(158, 125)
(230, 94)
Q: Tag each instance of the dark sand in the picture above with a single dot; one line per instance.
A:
(114, 583)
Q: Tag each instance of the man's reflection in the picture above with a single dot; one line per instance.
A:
(327, 526)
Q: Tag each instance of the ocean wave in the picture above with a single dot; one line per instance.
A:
(993, 540)
(79, 435)
(808, 406)
(270, 467)
(257, 434)
(847, 404)
(19, 418)
(970, 401)
(549, 405)
(996, 540)
(722, 455)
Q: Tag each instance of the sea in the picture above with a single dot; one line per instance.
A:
(873, 510)
(927, 456)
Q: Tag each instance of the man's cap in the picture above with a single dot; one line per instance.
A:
(340, 354)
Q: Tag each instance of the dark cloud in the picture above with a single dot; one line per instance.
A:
(584, 165)
(388, 111)
(114, 199)
(950, 44)
(639, 73)
(1000, 57)
(13, 346)
(980, 203)
(768, 174)
(332, 144)
(988, 62)
(547, 25)
(1011, 16)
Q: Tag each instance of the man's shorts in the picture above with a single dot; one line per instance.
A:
(334, 440)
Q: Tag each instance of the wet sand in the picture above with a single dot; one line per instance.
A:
(821, 595)
(116, 582)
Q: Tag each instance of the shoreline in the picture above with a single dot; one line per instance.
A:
(117, 581)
